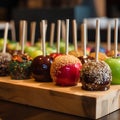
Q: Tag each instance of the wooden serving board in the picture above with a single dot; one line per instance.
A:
(71, 100)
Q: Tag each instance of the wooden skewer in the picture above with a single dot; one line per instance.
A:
(109, 37)
(75, 34)
(33, 28)
(83, 34)
(67, 36)
(5, 37)
(63, 30)
(116, 37)
(58, 35)
(13, 31)
(52, 34)
(23, 36)
(97, 39)
(43, 37)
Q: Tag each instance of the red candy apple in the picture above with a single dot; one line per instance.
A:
(54, 55)
(65, 70)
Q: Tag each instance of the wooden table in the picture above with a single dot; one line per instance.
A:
(14, 111)
(70, 100)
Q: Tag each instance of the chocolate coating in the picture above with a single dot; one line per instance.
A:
(96, 76)
(41, 68)
(5, 59)
(85, 59)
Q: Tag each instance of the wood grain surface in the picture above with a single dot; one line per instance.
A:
(70, 100)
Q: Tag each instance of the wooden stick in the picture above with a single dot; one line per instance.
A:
(52, 30)
(33, 28)
(13, 31)
(67, 37)
(83, 35)
(43, 37)
(97, 39)
(26, 29)
(63, 30)
(85, 21)
(116, 37)
(5, 37)
(109, 36)
(20, 32)
(23, 36)
(75, 35)
(58, 35)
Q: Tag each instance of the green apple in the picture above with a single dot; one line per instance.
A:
(62, 47)
(38, 44)
(12, 45)
(30, 49)
(36, 53)
(50, 50)
(114, 64)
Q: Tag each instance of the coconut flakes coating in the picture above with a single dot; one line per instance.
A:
(96, 76)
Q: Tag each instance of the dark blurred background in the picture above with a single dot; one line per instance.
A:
(51, 10)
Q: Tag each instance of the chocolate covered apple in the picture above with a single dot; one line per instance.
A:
(5, 57)
(65, 70)
(96, 76)
(41, 68)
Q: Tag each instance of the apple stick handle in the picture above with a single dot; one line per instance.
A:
(58, 35)
(63, 30)
(13, 31)
(20, 32)
(33, 28)
(26, 39)
(52, 34)
(23, 36)
(109, 36)
(67, 37)
(83, 34)
(5, 36)
(85, 21)
(43, 37)
(74, 24)
(97, 39)
(116, 37)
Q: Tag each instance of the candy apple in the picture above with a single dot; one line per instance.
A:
(30, 49)
(41, 68)
(54, 55)
(114, 64)
(35, 53)
(65, 70)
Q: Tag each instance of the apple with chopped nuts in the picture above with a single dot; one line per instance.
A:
(65, 70)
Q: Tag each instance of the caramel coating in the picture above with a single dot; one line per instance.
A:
(101, 56)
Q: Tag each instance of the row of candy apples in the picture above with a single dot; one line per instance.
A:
(65, 69)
